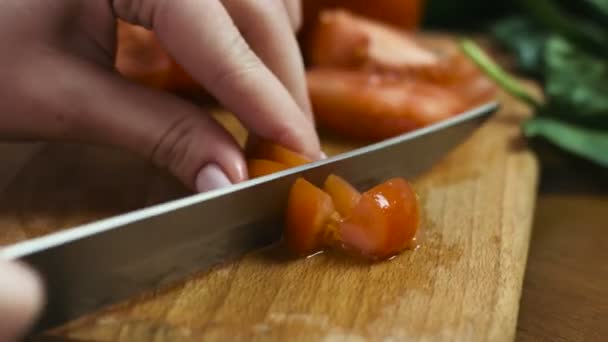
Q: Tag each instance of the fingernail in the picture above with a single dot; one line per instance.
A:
(211, 177)
(323, 155)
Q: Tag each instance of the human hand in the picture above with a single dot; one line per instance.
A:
(21, 298)
(59, 82)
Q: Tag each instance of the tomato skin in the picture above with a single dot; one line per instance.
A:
(309, 210)
(262, 167)
(384, 222)
(344, 195)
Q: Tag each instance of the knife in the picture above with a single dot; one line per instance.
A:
(91, 266)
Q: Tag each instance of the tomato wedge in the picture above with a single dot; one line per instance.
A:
(309, 210)
(344, 195)
(384, 221)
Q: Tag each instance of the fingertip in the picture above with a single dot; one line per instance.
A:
(21, 299)
(211, 177)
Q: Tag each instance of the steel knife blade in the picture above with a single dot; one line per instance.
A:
(88, 267)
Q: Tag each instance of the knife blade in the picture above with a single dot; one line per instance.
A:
(94, 265)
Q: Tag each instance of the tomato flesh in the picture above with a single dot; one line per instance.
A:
(262, 167)
(308, 212)
(344, 195)
(268, 150)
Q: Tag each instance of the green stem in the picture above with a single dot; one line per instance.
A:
(495, 72)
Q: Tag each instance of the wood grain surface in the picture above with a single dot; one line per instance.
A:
(463, 283)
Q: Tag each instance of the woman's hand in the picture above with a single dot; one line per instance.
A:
(58, 80)
(58, 83)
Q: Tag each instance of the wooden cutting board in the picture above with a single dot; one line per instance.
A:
(463, 283)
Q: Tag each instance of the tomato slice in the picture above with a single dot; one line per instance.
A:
(344, 195)
(271, 151)
(384, 222)
(366, 106)
(262, 167)
(309, 210)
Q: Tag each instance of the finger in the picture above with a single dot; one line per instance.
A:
(104, 108)
(204, 40)
(266, 28)
(294, 11)
(21, 299)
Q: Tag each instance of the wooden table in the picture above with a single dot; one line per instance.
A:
(565, 292)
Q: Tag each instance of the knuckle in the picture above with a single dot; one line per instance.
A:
(242, 64)
(173, 149)
(138, 12)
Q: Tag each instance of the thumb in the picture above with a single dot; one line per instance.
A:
(21, 298)
(171, 132)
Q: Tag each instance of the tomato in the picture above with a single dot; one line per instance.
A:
(377, 224)
(309, 210)
(345, 40)
(344, 195)
(268, 150)
(372, 107)
(405, 14)
(384, 221)
(262, 167)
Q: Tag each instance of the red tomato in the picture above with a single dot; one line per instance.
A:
(372, 107)
(384, 222)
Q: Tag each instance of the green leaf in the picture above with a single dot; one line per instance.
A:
(576, 84)
(583, 32)
(496, 73)
(585, 142)
(524, 39)
(599, 5)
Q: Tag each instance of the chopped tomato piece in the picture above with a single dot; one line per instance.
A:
(368, 106)
(344, 195)
(384, 221)
(309, 210)
(262, 167)
(377, 224)
(268, 150)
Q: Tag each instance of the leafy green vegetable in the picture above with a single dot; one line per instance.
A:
(566, 91)
(576, 84)
(563, 44)
(585, 33)
(525, 39)
(588, 143)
